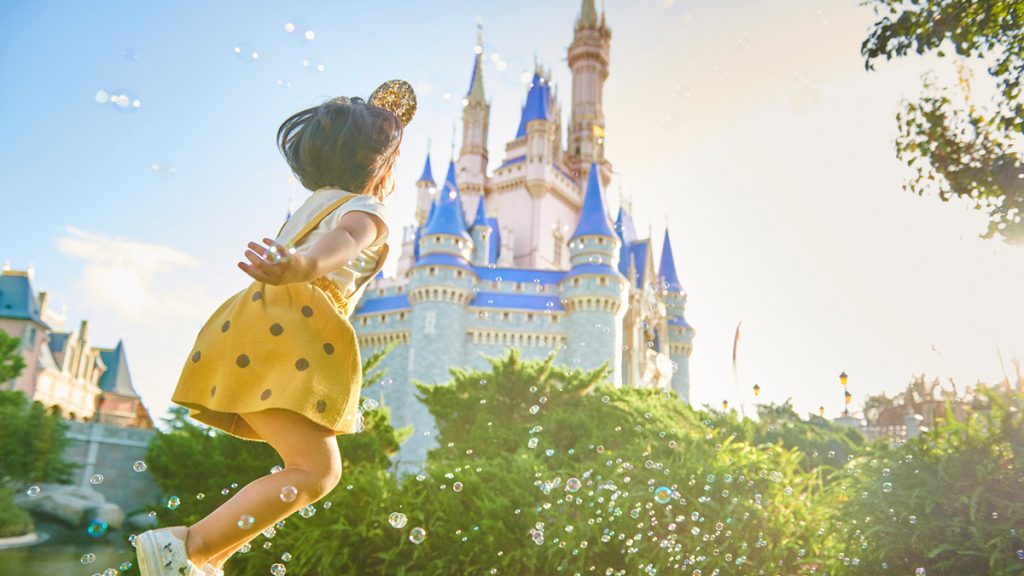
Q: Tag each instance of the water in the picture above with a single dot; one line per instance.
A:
(61, 554)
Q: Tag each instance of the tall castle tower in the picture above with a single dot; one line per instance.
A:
(526, 256)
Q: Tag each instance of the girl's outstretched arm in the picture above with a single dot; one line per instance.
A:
(354, 232)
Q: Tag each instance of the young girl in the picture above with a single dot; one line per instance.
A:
(279, 362)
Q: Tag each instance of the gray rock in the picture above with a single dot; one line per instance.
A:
(141, 520)
(107, 512)
(72, 505)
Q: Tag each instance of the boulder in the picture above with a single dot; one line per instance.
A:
(107, 512)
(72, 505)
(141, 521)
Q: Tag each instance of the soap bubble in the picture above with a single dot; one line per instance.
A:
(102, 97)
(245, 548)
(33, 491)
(919, 571)
(397, 520)
(662, 494)
(286, 557)
(111, 572)
(173, 502)
(96, 528)
(289, 27)
(887, 487)
(309, 35)
(276, 469)
(123, 100)
(314, 65)
(417, 535)
(139, 466)
(307, 511)
(245, 52)
(132, 538)
(278, 569)
(573, 484)
(1020, 554)
(245, 521)
(125, 566)
(289, 493)
(88, 558)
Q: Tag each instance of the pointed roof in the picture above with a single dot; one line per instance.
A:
(476, 81)
(18, 298)
(481, 213)
(538, 103)
(627, 233)
(667, 269)
(593, 217)
(428, 174)
(116, 378)
(588, 14)
(448, 217)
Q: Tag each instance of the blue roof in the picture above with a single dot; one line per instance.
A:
(537, 104)
(17, 298)
(444, 259)
(519, 274)
(448, 217)
(495, 241)
(593, 216)
(581, 269)
(382, 304)
(519, 301)
(514, 160)
(416, 240)
(116, 377)
(481, 215)
(678, 321)
(667, 270)
(428, 174)
(59, 341)
(638, 250)
(627, 234)
(476, 81)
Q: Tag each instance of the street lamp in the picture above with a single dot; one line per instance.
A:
(757, 389)
(846, 393)
(725, 404)
(821, 411)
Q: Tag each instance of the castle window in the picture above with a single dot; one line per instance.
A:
(519, 286)
(554, 319)
(575, 281)
(458, 273)
(401, 315)
(432, 271)
(600, 240)
(504, 315)
(380, 291)
(529, 317)
(437, 239)
(602, 281)
(382, 318)
(399, 289)
(430, 322)
(362, 321)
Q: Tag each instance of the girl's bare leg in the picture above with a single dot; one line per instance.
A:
(312, 465)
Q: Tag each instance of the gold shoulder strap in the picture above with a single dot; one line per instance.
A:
(314, 221)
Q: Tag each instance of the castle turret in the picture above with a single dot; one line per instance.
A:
(481, 232)
(680, 333)
(426, 188)
(588, 59)
(594, 292)
(476, 113)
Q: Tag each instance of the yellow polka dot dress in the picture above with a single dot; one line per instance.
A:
(288, 346)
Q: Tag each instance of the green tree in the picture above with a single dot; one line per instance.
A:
(33, 441)
(959, 147)
(11, 362)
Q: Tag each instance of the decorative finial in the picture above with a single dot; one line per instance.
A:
(479, 31)
(453, 140)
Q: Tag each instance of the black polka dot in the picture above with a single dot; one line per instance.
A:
(224, 327)
(242, 360)
(307, 311)
(276, 329)
(257, 295)
(328, 347)
(265, 395)
(301, 364)
(196, 356)
(213, 392)
(321, 406)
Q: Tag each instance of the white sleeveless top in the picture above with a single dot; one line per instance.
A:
(347, 276)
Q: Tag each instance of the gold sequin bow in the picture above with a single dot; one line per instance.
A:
(397, 97)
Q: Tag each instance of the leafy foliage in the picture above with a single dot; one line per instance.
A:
(11, 362)
(957, 148)
(949, 500)
(13, 520)
(33, 441)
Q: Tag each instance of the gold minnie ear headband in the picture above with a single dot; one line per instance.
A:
(395, 96)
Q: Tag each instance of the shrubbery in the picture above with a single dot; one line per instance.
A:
(13, 520)
(541, 470)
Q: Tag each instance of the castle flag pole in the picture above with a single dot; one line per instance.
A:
(735, 373)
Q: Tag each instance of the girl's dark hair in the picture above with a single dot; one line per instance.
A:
(343, 143)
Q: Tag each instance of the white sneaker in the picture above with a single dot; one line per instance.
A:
(160, 553)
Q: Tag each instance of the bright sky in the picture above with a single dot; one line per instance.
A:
(750, 126)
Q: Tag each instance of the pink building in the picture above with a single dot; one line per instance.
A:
(63, 369)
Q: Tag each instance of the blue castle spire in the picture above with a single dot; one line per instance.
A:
(627, 234)
(593, 217)
(446, 212)
(481, 213)
(537, 103)
(428, 174)
(667, 270)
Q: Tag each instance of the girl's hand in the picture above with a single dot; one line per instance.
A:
(277, 264)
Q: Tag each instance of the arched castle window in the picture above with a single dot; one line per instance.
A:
(505, 315)
(600, 240)
(529, 317)
(602, 281)
(430, 322)
(458, 273)
(401, 315)
(575, 281)
(432, 271)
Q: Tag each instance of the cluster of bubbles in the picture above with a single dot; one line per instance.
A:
(121, 100)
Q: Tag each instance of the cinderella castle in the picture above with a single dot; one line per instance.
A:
(526, 256)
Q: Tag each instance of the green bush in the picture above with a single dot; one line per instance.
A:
(33, 442)
(950, 501)
(13, 520)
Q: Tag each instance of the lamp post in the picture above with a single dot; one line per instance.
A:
(847, 397)
(757, 390)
